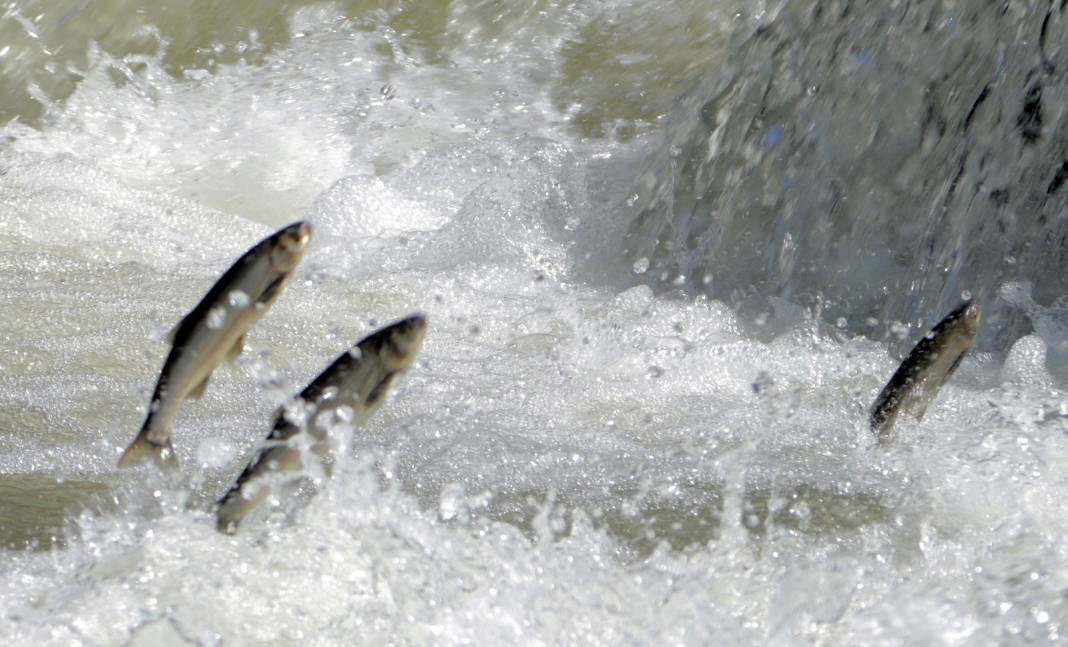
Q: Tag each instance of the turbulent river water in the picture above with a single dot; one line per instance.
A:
(669, 253)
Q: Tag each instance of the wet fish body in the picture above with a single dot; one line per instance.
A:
(351, 389)
(926, 368)
(213, 331)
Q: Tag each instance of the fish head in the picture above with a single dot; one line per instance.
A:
(289, 246)
(970, 314)
(403, 341)
(960, 327)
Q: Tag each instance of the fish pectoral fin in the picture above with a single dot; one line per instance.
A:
(236, 349)
(380, 390)
(268, 296)
(925, 395)
(198, 391)
(916, 401)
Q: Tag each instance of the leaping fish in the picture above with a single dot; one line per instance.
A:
(916, 382)
(213, 331)
(353, 387)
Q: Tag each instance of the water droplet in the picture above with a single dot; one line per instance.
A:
(214, 453)
(641, 266)
(295, 412)
(899, 330)
(239, 299)
(346, 414)
(216, 317)
(451, 502)
(966, 295)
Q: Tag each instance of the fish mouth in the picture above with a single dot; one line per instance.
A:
(296, 236)
(407, 337)
(292, 241)
(972, 312)
(968, 310)
(967, 318)
(301, 232)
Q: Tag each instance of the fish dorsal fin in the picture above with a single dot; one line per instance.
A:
(172, 334)
(236, 349)
(198, 391)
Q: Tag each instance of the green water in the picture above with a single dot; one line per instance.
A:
(36, 510)
(641, 521)
(615, 70)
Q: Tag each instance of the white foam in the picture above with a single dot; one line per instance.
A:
(567, 463)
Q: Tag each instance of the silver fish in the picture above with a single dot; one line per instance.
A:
(213, 331)
(351, 389)
(916, 382)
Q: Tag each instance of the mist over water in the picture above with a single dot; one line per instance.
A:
(876, 159)
(639, 417)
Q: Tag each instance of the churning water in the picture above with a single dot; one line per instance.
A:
(669, 255)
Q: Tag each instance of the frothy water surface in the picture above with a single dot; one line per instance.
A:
(571, 461)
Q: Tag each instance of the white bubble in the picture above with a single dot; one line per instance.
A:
(641, 266)
(239, 299)
(216, 317)
(214, 453)
(451, 502)
(899, 329)
(346, 414)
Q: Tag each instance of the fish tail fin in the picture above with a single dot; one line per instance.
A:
(236, 504)
(142, 447)
(884, 431)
